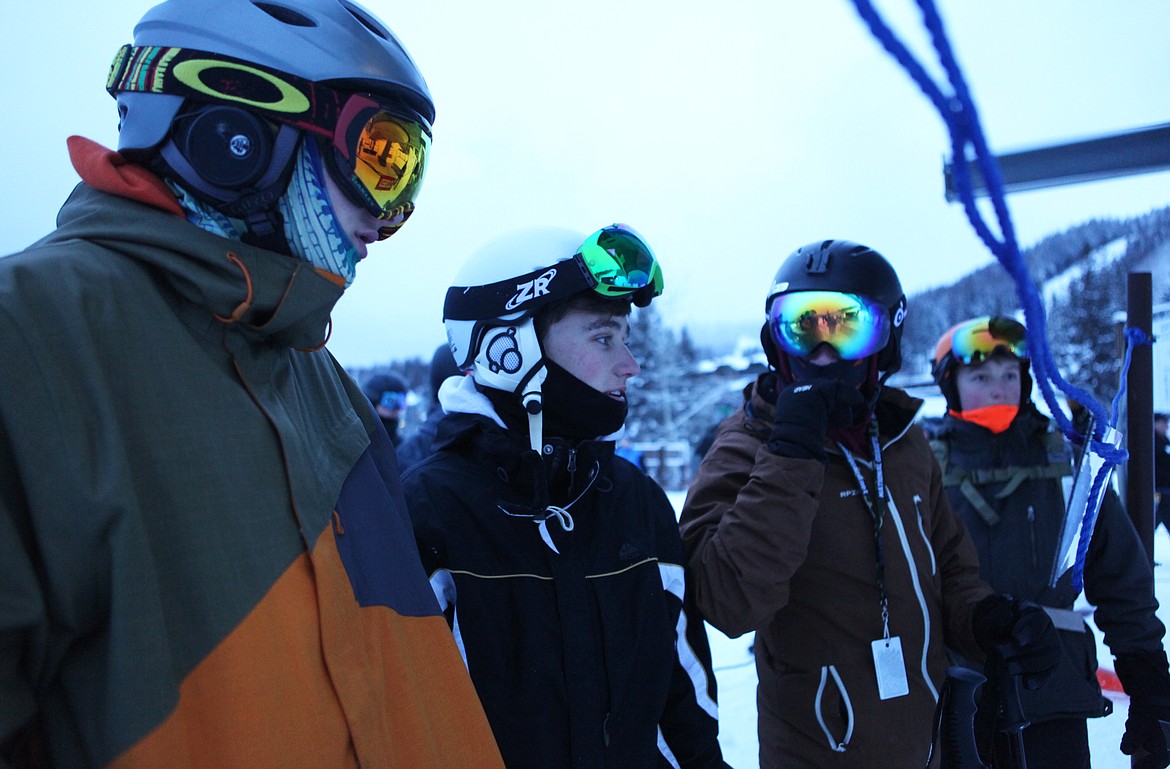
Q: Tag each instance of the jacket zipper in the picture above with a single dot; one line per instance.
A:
(571, 465)
(837, 746)
(1032, 533)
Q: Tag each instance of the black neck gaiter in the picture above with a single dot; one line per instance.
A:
(572, 409)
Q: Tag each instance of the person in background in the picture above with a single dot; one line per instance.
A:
(205, 556)
(627, 451)
(559, 564)
(412, 450)
(1161, 472)
(1002, 462)
(387, 394)
(818, 520)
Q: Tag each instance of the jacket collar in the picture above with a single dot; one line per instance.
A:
(472, 427)
(269, 296)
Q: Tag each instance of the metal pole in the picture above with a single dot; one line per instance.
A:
(1137, 151)
(1139, 486)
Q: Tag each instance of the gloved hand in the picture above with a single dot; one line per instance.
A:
(1020, 635)
(1146, 680)
(804, 413)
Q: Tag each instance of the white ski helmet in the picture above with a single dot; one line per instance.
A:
(489, 309)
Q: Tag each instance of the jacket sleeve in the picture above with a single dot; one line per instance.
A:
(958, 569)
(746, 526)
(690, 721)
(429, 537)
(23, 620)
(1119, 583)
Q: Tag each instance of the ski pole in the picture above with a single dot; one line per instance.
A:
(1014, 722)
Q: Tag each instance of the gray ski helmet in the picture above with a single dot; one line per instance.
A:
(336, 42)
(847, 267)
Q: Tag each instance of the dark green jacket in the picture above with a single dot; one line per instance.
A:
(205, 558)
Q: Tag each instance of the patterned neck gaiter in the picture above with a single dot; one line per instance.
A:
(310, 225)
(202, 215)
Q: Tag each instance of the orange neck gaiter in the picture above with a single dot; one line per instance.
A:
(994, 418)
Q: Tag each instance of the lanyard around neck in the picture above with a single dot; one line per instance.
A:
(877, 506)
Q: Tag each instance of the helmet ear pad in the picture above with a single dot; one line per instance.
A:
(226, 146)
(508, 355)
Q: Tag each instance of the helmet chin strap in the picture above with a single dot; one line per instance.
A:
(533, 401)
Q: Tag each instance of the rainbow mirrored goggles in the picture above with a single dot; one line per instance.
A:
(380, 147)
(614, 261)
(980, 338)
(855, 326)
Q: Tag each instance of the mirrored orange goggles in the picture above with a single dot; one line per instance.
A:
(380, 146)
(380, 157)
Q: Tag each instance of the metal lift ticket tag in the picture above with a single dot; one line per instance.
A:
(890, 667)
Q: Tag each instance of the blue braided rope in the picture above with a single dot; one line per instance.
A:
(955, 105)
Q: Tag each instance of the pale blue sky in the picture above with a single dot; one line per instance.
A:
(727, 133)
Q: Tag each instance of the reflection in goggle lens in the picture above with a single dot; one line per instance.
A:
(854, 325)
(382, 158)
(392, 400)
(977, 339)
(621, 262)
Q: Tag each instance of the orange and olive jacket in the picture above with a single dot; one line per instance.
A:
(205, 557)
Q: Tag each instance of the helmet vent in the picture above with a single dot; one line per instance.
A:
(285, 15)
(367, 22)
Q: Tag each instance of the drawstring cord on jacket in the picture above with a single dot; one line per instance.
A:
(245, 305)
(561, 514)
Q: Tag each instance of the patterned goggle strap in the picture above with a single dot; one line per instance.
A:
(214, 77)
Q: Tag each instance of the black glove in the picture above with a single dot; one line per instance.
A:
(804, 413)
(1018, 634)
(1145, 679)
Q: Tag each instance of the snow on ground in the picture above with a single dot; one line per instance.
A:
(735, 673)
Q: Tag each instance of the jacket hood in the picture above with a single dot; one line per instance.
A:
(268, 295)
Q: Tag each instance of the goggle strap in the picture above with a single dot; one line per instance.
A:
(216, 77)
(525, 293)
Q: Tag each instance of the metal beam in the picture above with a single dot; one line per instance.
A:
(1141, 150)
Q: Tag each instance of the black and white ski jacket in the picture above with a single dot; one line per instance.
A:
(571, 621)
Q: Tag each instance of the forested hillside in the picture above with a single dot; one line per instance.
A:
(1082, 274)
(683, 390)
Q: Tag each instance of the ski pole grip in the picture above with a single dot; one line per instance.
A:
(957, 748)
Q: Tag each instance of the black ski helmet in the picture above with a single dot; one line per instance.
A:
(847, 267)
(381, 384)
